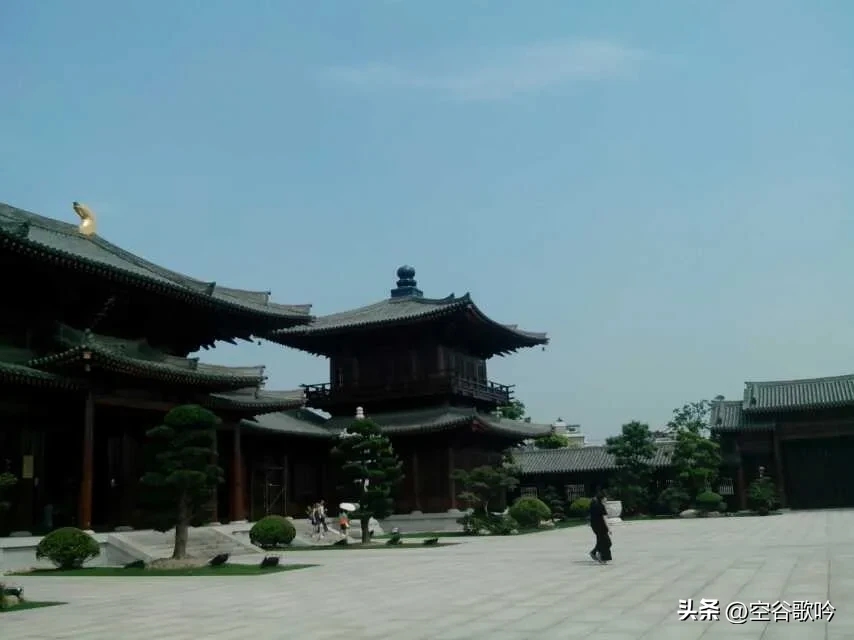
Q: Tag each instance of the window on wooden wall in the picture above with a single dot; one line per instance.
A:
(481, 371)
(574, 491)
(529, 492)
(725, 487)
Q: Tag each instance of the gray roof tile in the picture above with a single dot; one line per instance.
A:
(578, 459)
(297, 422)
(63, 239)
(812, 393)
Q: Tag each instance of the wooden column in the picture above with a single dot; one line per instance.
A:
(778, 467)
(238, 511)
(214, 507)
(88, 464)
(740, 488)
(451, 481)
(416, 481)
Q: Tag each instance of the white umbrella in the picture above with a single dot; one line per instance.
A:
(347, 506)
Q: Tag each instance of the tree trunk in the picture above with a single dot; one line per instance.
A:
(182, 530)
(366, 535)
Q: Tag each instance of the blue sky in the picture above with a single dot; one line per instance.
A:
(663, 187)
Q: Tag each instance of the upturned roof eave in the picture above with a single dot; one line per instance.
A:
(162, 279)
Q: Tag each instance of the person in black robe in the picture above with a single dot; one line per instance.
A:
(602, 551)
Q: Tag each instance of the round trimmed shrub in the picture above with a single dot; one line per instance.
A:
(708, 501)
(674, 500)
(68, 548)
(272, 531)
(580, 507)
(530, 512)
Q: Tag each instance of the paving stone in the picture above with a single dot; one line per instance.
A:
(537, 586)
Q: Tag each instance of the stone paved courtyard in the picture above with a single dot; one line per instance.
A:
(539, 586)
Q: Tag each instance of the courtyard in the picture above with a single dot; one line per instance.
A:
(540, 586)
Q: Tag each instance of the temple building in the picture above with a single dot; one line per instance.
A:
(94, 350)
(798, 432)
(418, 367)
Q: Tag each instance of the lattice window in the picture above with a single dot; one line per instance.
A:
(574, 491)
(529, 492)
(725, 487)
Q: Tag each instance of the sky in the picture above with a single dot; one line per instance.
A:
(664, 187)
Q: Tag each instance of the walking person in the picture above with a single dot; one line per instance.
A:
(322, 515)
(601, 553)
(343, 523)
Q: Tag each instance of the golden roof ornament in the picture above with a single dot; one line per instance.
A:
(88, 225)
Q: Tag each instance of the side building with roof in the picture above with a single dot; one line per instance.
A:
(418, 368)
(578, 472)
(799, 432)
(94, 350)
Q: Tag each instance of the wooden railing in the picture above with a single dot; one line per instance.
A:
(443, 383)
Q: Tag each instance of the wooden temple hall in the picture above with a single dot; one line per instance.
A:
(95, 348)
(798, 432)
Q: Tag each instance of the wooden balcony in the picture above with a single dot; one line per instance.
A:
(449, 384)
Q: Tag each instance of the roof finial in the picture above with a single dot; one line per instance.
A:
(88, 225)
(406, 284)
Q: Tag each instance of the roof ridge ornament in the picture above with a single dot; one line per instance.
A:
(88, 223)
(407, 287)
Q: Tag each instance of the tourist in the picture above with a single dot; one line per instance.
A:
(343, 523)
(601, 553)
(321, 512)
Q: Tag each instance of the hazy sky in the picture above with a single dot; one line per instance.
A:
(665, 187)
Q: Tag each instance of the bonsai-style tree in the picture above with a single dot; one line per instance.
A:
(182, 470)
(633, 450)
(552, 497)
(486, 483)
(371, 470)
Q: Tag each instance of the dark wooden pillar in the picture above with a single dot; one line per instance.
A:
(214, 506)
(778, 467)
(451, 482)
(88, 464)
(416, 482)
(238, 510)
(740, 488)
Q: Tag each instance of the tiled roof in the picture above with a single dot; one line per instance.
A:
(408, 305)
(259, 401)
(298, 422)
(578, 459)
(138, 359)
(442, 419)
(11, 373)
(28, 232)
(402, 423)
(726, 415)
(812, 393)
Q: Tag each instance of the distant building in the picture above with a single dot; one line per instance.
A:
(572, 432)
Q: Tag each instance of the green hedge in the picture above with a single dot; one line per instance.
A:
(530, 512)
(68, 548)
(272, 531)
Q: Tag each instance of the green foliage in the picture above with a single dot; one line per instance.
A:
(580, 508)
(530, 512)
(430, 542)
(181, 470)
(272, 531)
(633, 450)
(514, 411)
(395, 539)
(674, 500)
(475, 524)
(762, 496)
(557, 505)
(68, 548)
(486, 483)
(552, 441)
(693, 416)
(696, 457)
(708, 501)
(370, 469)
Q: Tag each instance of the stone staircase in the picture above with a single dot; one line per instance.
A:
(202, 543)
